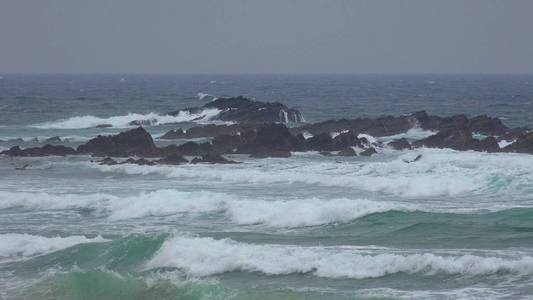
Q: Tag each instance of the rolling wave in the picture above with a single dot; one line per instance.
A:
(203, 257)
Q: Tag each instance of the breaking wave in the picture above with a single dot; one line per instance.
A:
(81, 122)
(438, 173)
(202, 257)
(273, 213)
(24, 245)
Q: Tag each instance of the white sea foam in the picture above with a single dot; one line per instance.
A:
(24, 245)
(124, 121)
(205, 96)
(440, 172)
(305, 212)
(415, 133)
(503, 143)
(206, 256)
(273, 213)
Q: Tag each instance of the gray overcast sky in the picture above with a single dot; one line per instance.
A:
(270, 36)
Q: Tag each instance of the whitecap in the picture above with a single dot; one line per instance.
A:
(202, 257)
(124, 121)
(25, 245)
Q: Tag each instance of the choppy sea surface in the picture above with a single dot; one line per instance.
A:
(453, 225)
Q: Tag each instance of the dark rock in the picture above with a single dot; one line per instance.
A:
(400, 144)
(346, 139)
(417, 158)
(129, 143)
(347, 152)
(383, 126)
(489, 144)
(321, 142)
(107, 161)
(524, 144)
(173, 159)
(487, 125)
(457, 122)
(193, 149)
(459, 139)
(212, 159)
(325, 153)
(45, 150)
(241, 109)
(145, 122)
(103, 126)
(270, 139)
(140, 162)
(368, 152)
(226, 143)
(216, 130)
(174, 134)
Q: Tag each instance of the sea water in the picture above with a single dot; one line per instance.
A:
(453, 225)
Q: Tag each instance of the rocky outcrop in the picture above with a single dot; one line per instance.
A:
(523, 144)
(46, 150)
(206, 131)
(324, 141)
(241, 109)
(272, 140)
(383, 126)
(458, 139)
(135, 142)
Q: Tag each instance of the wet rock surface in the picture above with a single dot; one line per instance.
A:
(242, 109)
(274, 139)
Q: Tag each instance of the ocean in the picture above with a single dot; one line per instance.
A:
(453, 225)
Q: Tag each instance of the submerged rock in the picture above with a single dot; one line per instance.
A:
(347, 152)
(103, 126)
(400, 144)
(108, 161)
(140, 162)
(173, 159)
(369, 152)
(212, 159)
(54, 139)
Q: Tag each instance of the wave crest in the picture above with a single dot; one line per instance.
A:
(81, 122)
(206, 256)
(24, 245)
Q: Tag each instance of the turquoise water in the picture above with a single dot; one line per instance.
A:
(454, 225)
